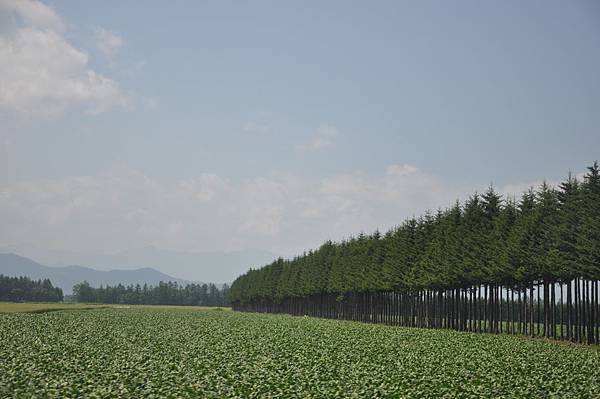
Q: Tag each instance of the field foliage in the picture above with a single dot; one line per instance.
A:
(41, 307)
(158, 352)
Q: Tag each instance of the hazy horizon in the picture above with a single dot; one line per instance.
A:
(206, 266)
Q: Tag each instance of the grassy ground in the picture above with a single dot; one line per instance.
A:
(38, 307)
(41, 307)
(175, 352)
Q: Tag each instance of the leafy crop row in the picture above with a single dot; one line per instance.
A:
(209, 354)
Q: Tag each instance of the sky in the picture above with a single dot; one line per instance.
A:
(220, 126)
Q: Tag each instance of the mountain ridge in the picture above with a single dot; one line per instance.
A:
(65, 277)
(215, 266)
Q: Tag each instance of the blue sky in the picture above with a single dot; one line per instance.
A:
(271, 125)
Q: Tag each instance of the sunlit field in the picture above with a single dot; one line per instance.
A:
(37, 307)
(208, 353)
(42, 307)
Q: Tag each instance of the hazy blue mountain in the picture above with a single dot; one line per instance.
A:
(66, 277)
(215, 266)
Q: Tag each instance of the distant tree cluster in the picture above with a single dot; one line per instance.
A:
(550, 238)
(18, 289)
(165, 293)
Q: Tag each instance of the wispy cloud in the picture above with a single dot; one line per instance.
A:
(324, 137)
(109, 43)
(282, 213)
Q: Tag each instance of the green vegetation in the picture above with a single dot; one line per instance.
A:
(158, 352)
(26, 289)
(165, 293)
(40, 307)
(489, 265)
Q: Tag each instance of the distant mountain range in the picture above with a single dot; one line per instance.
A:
(215, 266)
(66, 277)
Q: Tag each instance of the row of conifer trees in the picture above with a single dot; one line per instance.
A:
(165, 293)
(492, 264)
(20, 289)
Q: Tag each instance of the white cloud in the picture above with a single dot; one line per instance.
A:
(205, 187)
(513, 190)
(323, 138)
(261, 206)
(354, 202)
(401, 170)
(40, 72)
(109, 43)
(285, 214)
(516, 190)
(127, 207)
(33, 13)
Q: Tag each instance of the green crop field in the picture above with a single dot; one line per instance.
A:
(181, 352)
(41, 307)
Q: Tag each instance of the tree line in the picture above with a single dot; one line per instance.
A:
(19, 289)
(491, 264)
(165, 293)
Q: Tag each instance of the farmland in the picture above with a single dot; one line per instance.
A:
(43, 307)
(187, 352)
(40, 307)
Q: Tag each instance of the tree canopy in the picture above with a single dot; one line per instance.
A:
(165, 293)
(25, 289)
(549, 234)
